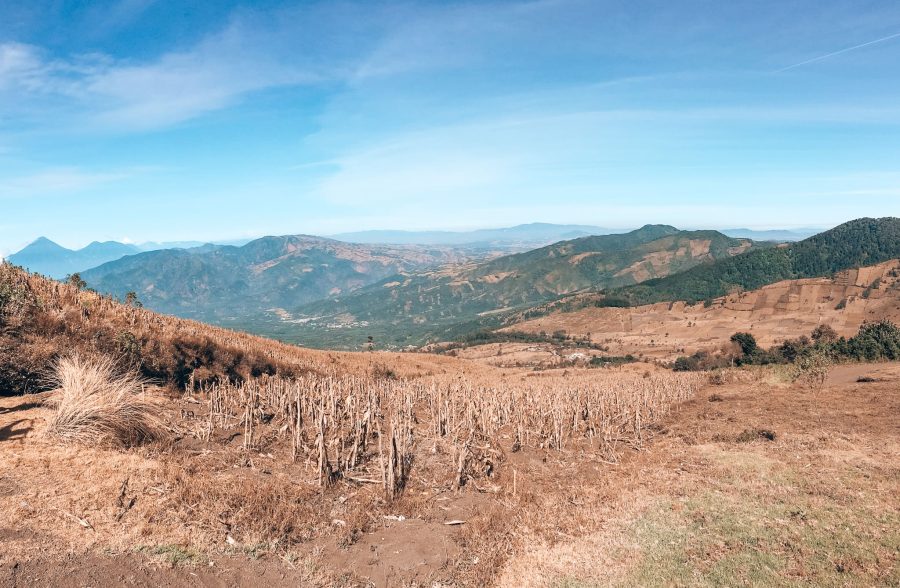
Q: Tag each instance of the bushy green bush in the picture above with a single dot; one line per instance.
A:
(875, 341)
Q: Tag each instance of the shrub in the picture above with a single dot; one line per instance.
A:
(599, 360)
(717, 378)
(812, 368)
(877, 340)
(700, 361)
(824, 334)
(749, 435)
(686, 364)
(746, 341)
(792, 349)
(613, 302)
(96, 404)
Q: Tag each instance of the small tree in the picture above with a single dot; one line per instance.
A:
(731, 352)
(131, 299)
(75, 280)
(812, 368)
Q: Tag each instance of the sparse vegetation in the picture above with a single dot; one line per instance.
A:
(174, 555)
(362, 427)
(486, 337)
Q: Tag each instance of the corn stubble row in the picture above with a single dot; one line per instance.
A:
(346, 426)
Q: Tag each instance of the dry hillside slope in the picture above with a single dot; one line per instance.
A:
(773, 313)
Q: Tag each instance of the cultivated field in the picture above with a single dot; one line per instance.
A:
(545, 480)
(772, 314)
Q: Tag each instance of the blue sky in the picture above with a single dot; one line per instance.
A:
(156, 120)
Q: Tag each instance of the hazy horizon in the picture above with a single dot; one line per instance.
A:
(81, 244)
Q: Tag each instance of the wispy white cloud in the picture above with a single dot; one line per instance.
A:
(105, 18)
(102, 91)
(540, 149)
(62, 180)
(319, 44)
(840, 52)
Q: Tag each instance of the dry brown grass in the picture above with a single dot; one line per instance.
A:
(42, 320)
(97, 404)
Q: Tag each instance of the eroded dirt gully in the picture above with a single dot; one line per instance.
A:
(547, 519)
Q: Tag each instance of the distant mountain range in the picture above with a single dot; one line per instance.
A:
(858, 243)
(524, 236)
(773, 235)
(43, 256)
(408, 288)
(855, 244)
(535, 235)
(46, 257)
(435, 305)
(228, 283)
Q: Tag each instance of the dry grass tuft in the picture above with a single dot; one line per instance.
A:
(97, 404)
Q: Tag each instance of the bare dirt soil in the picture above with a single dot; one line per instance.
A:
(755, 482)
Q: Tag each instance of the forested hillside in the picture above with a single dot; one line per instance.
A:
(857, 243)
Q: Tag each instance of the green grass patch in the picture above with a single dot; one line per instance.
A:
(748, 536)
(174, 555)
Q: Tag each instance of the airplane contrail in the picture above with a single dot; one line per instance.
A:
(832, 54)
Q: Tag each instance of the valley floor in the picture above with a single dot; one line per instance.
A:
(754, 482)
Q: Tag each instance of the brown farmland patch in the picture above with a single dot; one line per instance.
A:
(772, 314)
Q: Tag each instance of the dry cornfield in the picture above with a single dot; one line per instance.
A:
(365, 428)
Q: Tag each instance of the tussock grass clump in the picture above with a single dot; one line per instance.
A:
(754, 434)
(98, 404)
